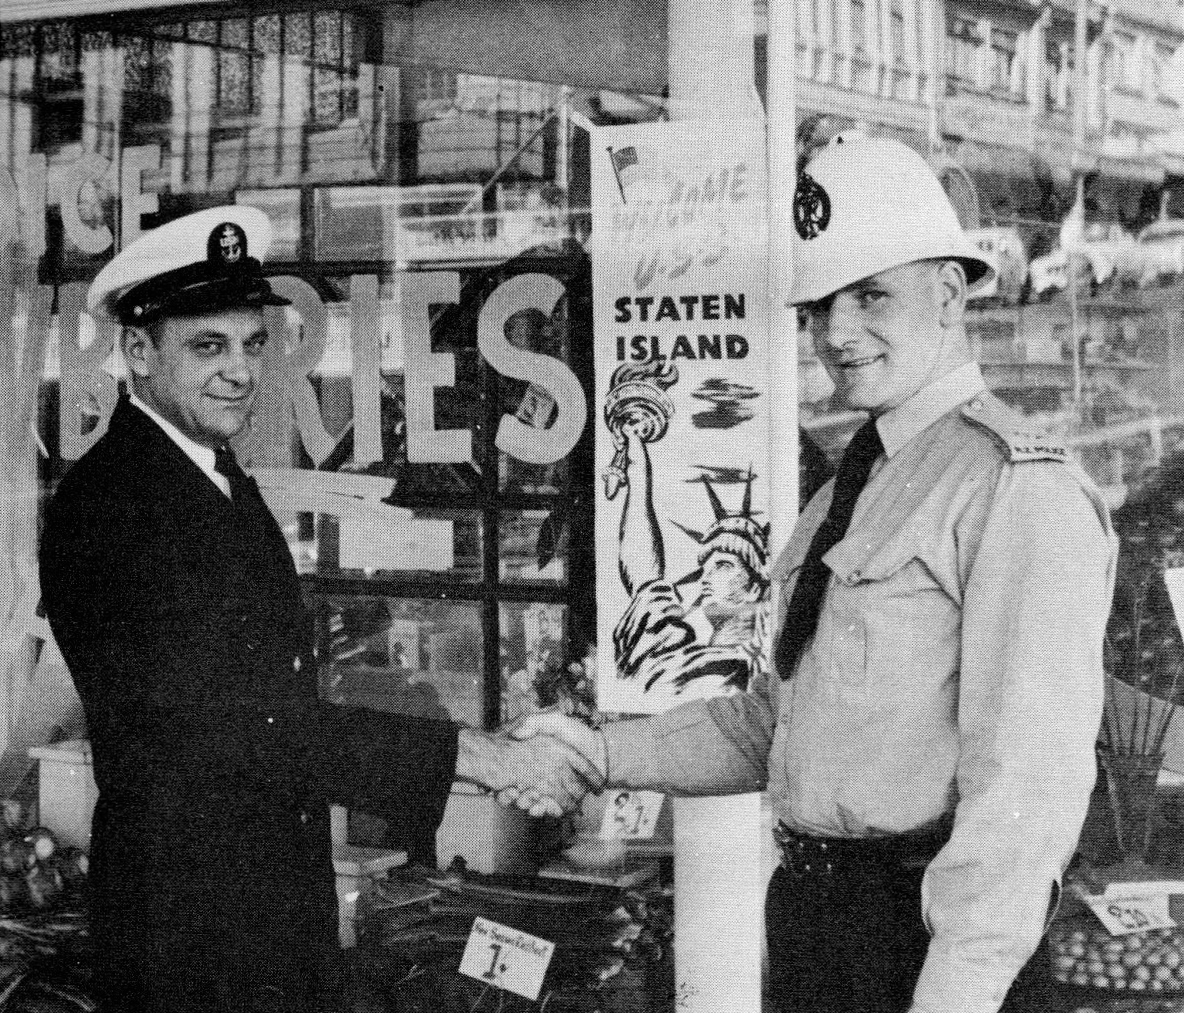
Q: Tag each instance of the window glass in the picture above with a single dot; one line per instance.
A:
(535, 657)
(533, 545)
(414, 656)
(409, 443)
(1003, 49)
(962, 42)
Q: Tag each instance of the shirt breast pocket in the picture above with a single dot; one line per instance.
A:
(886, 614)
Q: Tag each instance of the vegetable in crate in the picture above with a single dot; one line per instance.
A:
(1085, 954)
(16, 854)
(44, 883)
(14, 893)
(41, 843)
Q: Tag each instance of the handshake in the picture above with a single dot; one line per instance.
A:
(545, 764)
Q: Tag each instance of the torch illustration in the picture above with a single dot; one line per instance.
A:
(637, 394)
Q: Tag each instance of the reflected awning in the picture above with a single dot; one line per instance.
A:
(617, 44)
(1135, 170)
(1013, 183)
(46, 10)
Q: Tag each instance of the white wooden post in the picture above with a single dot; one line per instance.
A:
(718, 886)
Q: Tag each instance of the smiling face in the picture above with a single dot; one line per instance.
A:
(200, 372)
(884, 338)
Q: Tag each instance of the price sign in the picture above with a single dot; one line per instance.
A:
(632, 815)
(506, 958)
(1125, 915)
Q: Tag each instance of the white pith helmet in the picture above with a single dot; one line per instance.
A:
(866, 204)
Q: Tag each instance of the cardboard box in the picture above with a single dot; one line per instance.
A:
(357, 869)
(67, 792)
(488, 836)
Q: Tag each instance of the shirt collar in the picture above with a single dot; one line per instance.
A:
(202, 456)
(899, 425)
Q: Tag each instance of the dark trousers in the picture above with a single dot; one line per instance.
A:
(854, 942)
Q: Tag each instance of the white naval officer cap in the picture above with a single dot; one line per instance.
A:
(200, 263)
(866, 204)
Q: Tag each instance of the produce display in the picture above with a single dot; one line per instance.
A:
(43, 936)
(612, 946)
(1085, 954)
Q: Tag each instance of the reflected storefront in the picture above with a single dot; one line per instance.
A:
(401, 463)
(426, 425)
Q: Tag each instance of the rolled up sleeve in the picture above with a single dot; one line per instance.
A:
(1030, 699)
(703, 747)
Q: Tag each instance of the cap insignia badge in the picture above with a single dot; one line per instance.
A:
(811, 207)
(227, 244)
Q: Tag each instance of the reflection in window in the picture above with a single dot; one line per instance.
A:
(238, 100)
(859, 27)
(420, 657)
(962, 42)
(480, 125)
(532, 545)
(367, 538)
(534, 656)
(1162, 57)
(372, 184)
(60, 52)
(896, 32)
(1003, 48)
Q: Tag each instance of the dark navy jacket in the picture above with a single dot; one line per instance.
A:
(180, 617)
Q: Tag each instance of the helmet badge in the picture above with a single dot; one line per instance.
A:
(811, 207)
(227, 244)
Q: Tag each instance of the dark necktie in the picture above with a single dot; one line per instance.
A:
(805, 604)
(226, 464)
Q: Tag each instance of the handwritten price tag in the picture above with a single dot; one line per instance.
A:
(632, 815)
(1125, 915)
(506, 958)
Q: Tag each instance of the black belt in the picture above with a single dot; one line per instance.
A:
(804, 856)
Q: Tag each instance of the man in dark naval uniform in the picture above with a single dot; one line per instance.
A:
(174, 599)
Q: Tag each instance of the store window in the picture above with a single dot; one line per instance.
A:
(1003, 63)
(903, 50)
(1161, 60)
(862, 42)
(437, 506)
(962, 47)
(1124, 71)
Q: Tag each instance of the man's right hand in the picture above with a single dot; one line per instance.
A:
(543, 767)
(556, 725)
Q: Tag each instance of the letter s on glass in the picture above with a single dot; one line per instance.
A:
(515, 437)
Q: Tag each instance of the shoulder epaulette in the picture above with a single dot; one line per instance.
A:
(1020, 440)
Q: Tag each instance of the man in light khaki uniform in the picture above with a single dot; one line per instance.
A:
(927, 734)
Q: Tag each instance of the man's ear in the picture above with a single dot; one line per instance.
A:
(951, 293)
(138, 346)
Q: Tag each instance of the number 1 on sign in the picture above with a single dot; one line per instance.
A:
(496, 950)
(506, 958)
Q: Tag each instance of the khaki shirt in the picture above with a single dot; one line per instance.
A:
(957, 665)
